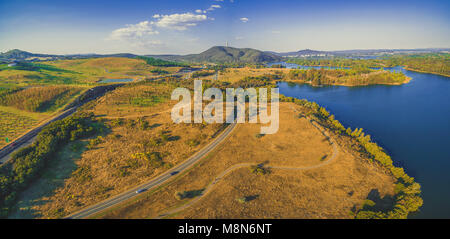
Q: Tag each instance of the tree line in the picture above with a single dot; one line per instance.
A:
(162, 63)
(407, 196)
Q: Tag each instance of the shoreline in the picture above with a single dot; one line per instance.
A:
(426, 72)
(378, 154)
(404, 67)
(406, 81)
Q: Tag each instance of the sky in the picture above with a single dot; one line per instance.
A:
(184, 27)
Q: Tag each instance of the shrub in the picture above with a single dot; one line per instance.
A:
(192, 142)
(259, 170)
(94, 142)
(259, 135)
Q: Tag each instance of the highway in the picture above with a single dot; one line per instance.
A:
(29, 137)
(99, 207)
(209, 188)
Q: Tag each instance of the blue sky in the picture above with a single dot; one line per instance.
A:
(181, 27)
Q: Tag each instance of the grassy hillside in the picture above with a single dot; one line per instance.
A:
(38, 99)
(79, 71)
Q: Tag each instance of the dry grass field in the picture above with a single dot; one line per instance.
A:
(79, 71)
(332, 190)
(14, 123)
(235, 74)
(140, 143)
(96, 69)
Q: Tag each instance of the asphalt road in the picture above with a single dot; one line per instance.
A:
(242, 165)
(30, 137)
(92, 210)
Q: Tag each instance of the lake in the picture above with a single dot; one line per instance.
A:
(410, 121)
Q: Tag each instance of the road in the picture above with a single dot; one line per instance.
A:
(210, 186)
(99, 207)
(30, 136)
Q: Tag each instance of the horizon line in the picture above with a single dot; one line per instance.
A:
(355, 49)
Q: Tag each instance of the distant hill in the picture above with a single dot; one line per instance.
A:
(217, 54)
(19, 55)
(222, 54)
(305, 53)
(358, 52)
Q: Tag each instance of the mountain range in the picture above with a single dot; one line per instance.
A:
(221, 54)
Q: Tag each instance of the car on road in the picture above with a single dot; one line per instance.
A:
(141, 190)
(174, 172)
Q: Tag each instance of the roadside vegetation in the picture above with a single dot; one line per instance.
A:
(27, 163)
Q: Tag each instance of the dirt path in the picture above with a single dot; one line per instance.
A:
(209, 188)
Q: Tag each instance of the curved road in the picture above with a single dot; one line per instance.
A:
(92, 210)
(208, 189)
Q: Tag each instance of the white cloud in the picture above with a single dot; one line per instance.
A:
(143, 34)
(213, 7)
(180, 21)
(239, 38)
(134, 31)
(244, 19)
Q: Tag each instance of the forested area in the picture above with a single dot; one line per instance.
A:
(350, 77)
(158, 62)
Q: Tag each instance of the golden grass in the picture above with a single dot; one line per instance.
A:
(235, 74)
(111, 67)
(330, 191)
(12, 125)
(109, 167)
(82, 71)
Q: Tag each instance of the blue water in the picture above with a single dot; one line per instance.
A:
(115, 80)
(410, 121)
